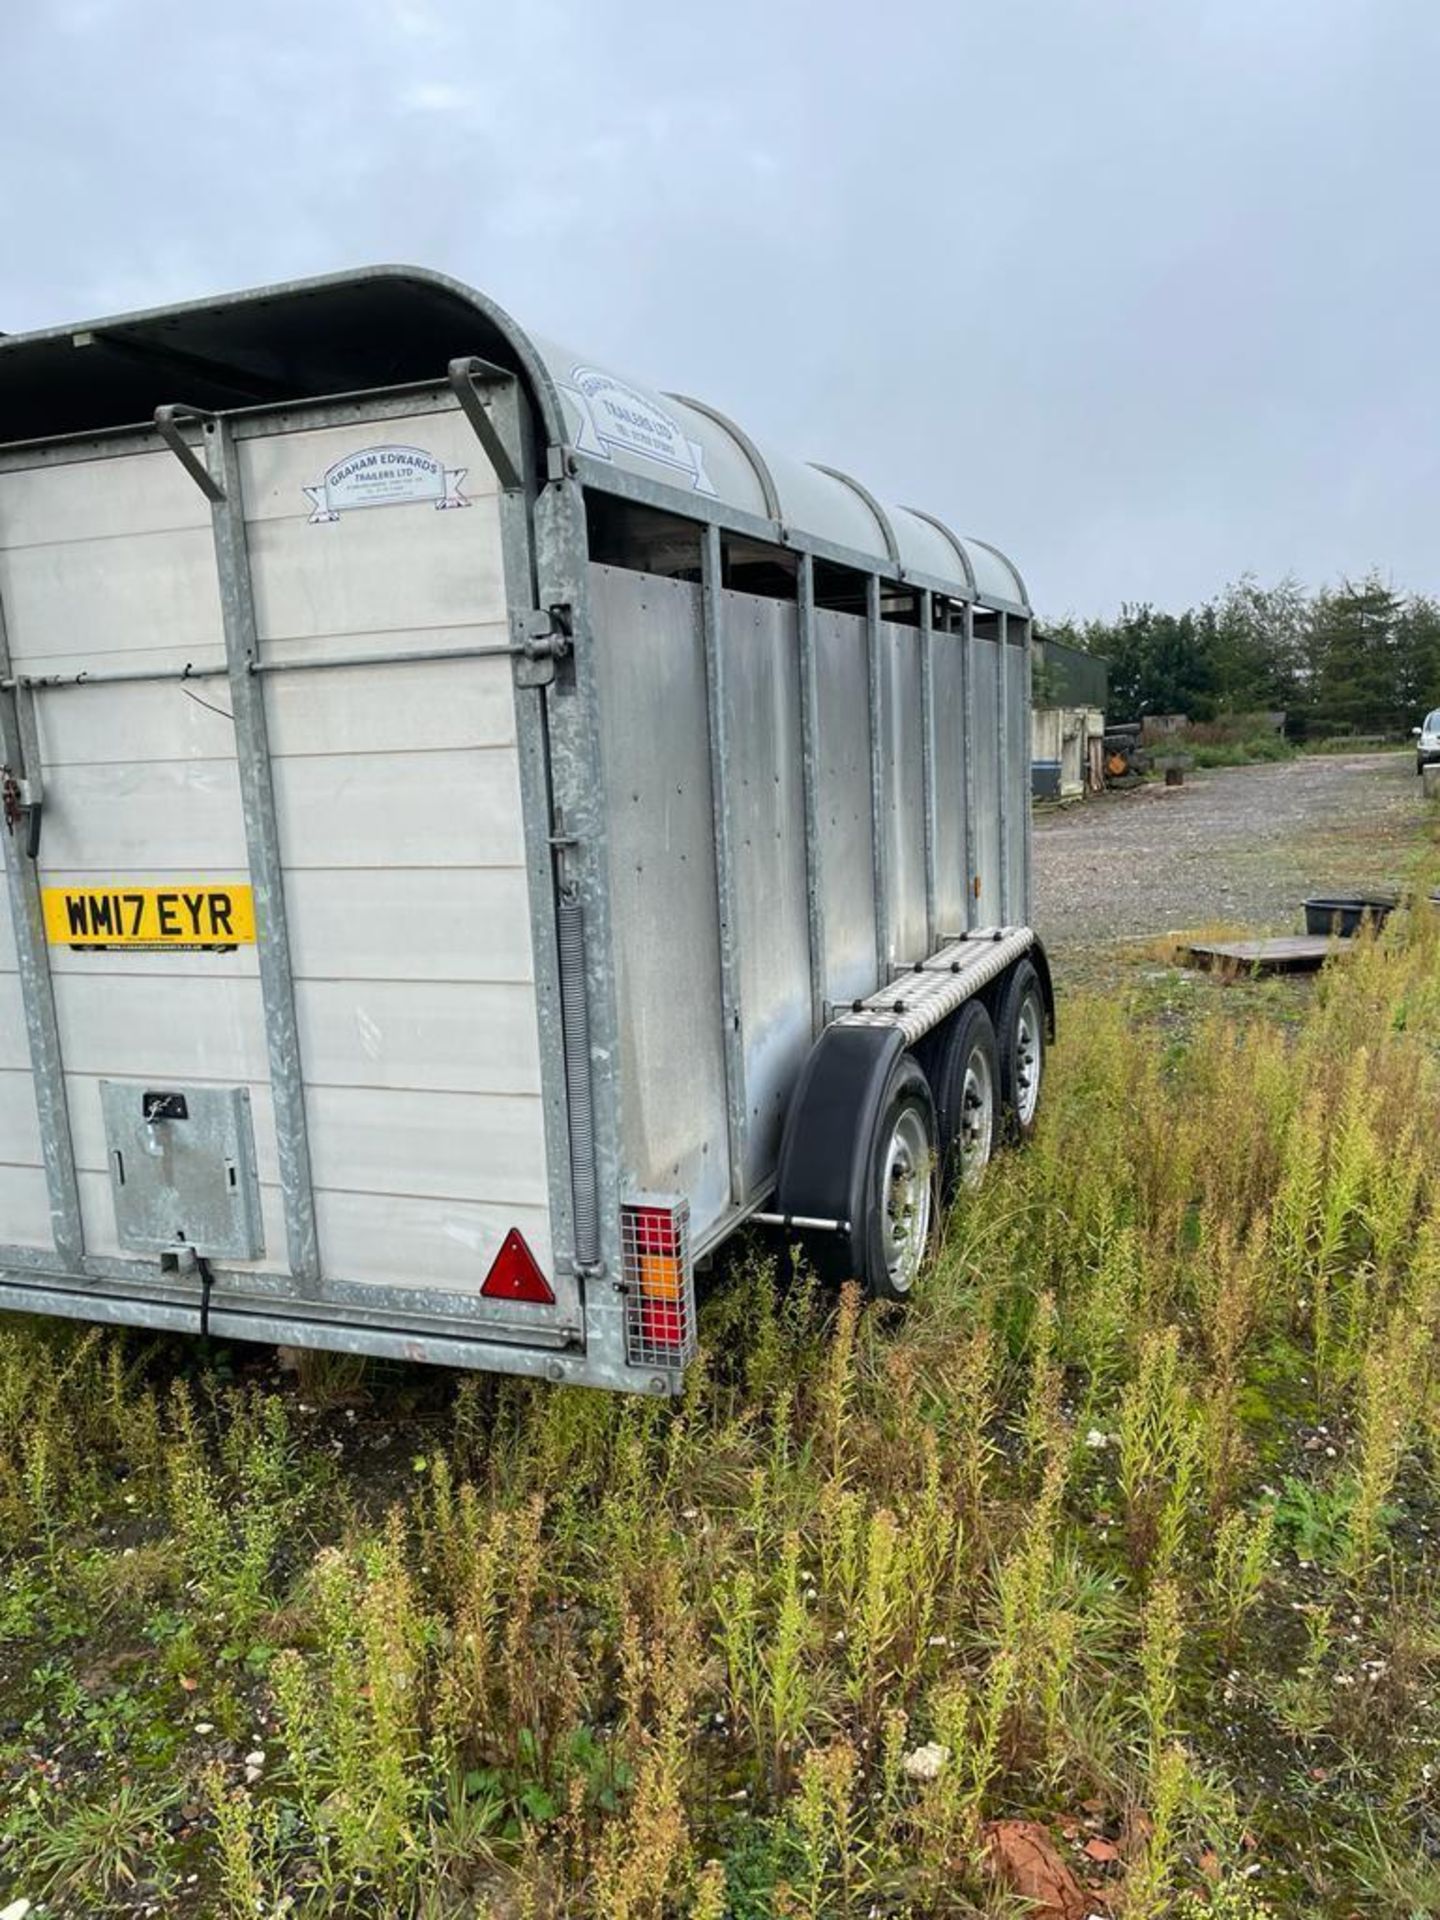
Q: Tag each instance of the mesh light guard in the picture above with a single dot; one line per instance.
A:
(659, 1282)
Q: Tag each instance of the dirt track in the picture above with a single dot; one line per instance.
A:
(1243, 846)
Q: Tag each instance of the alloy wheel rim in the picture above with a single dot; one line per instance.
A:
(1029, 1059)
(977, 1117)
(907, 1197)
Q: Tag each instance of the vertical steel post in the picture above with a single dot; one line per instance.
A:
(732, 1014)
(1002, 783)
(967, 687)
(878, 808)
(929, 774)
(810, 768)
(1027, 903)
(262, 842)
(37, 989)
(567, 1131)
(577, 781)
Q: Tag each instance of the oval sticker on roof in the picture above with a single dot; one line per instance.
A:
(615, 418)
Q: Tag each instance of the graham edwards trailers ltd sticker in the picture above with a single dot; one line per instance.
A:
(384, 477)
(614, 417)
(191, 918)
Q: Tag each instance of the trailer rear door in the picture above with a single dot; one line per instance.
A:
(397, 802)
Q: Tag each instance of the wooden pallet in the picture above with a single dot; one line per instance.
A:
(1290, 953)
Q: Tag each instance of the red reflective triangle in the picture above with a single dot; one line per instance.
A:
(515, 1275)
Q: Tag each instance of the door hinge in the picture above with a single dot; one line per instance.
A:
(542, 635)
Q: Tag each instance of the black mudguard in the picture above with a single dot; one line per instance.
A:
(829, 1135)
(1040, 960)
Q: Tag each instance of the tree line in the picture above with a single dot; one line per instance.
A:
(1357, 658)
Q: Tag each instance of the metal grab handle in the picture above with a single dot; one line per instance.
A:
(464, 372)
(166, 425)
(36, 814)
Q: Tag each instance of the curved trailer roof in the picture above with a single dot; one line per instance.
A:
(391, 326)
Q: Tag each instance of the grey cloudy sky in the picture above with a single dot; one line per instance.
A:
(1145, 291)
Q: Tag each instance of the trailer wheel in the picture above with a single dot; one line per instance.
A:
(901, 1189)
(965, 1074)
(861, 1150)
(1020, 1031)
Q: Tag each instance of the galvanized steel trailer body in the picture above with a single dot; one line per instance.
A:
(737, 814)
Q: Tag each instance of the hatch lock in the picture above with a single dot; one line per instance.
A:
(16, 800)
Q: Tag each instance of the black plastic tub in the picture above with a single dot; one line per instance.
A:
(1345, 913)
(1045, 779)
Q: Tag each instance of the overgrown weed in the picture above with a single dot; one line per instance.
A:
(1124, 1527)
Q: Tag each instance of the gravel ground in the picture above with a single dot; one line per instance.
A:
(1241, 847)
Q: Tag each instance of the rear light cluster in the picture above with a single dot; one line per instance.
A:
(659, 1283)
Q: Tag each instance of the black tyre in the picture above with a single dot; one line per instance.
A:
(1020, 1036)
(902, 1185)
(965, 1075)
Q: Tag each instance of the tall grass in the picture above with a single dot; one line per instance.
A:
(1033, 1549)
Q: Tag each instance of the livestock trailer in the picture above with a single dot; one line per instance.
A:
(478, 831)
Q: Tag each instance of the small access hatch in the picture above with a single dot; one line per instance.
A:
(182, 1169)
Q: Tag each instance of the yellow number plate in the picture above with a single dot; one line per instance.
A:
(193, 916)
